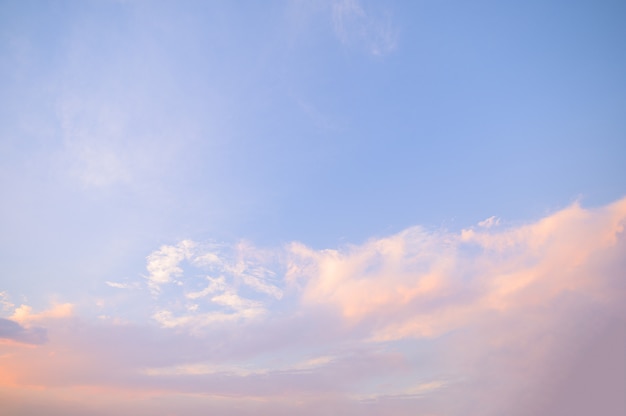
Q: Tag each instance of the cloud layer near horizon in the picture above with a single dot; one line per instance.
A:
(437, 322)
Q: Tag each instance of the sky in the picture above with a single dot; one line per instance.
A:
(339, 207)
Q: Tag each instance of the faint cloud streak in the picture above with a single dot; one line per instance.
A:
(354, 26)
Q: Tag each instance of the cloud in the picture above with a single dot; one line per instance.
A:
(243, 369)
(489, 222)
(13, 331)
(163, 264)
(356, 27)
(423, 284)
(118, 285)
(418, 283)
(5, 303)
(24, 313)
(415, 391)
(488, 309)
(215, 285)
(381, 275)
(423, 321)
(234, 308)
(214, 276)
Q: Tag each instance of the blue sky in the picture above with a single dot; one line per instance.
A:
(137, 138)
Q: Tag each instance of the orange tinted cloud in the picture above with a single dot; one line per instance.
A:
(417, 283)
(421, 321)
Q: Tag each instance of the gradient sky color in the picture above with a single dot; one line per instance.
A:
(313, 207)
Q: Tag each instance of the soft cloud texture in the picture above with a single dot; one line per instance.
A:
(163, 265)
(430, 321)
(423, 284)
(11, 330)
(226, 284)
(24, 313)
(212, 209)
(354, 26)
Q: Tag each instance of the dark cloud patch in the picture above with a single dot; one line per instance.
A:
(12, 330)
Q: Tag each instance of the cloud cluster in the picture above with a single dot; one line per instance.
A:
(212, 293)
(424, 284)
(437, 322)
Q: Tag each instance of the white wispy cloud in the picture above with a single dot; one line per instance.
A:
(118, 285)
(196, 321)
(163, 265)
(5, 303)
(489, 222)
(217, 284)
(239, 267)
(354, 26)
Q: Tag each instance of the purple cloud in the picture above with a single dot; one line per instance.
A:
(12, 330)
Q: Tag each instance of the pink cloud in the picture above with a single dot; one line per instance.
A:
(24, 313)
(504, 319)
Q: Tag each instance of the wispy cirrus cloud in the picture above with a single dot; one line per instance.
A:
(356, 26)
(212, 289)
(5, 303)
(163, 265)
(119, 285)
